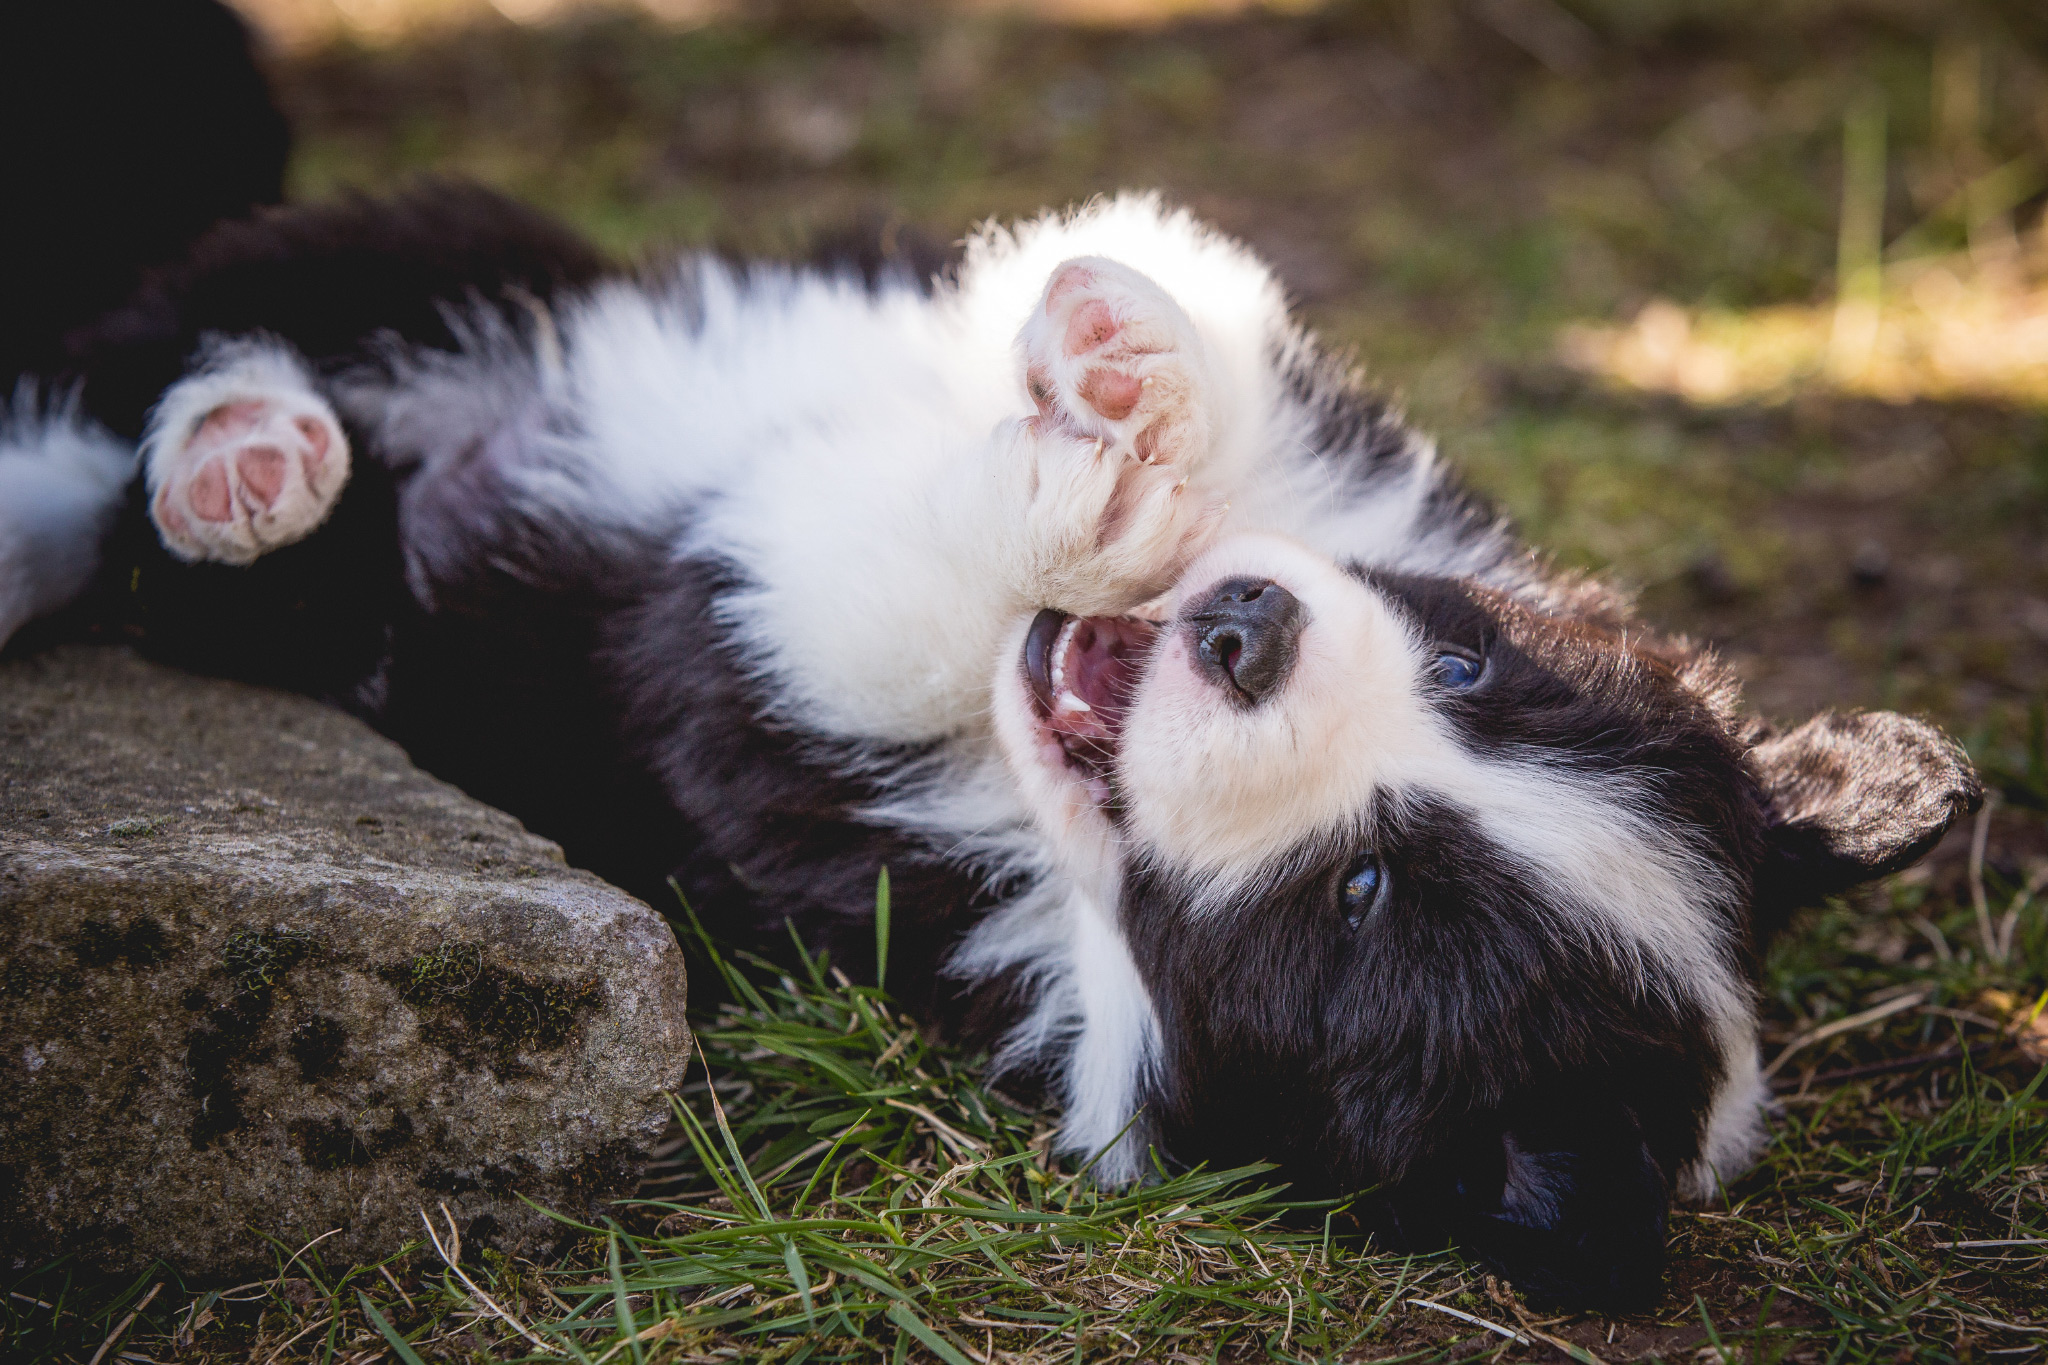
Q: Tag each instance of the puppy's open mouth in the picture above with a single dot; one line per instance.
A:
(1083, 672)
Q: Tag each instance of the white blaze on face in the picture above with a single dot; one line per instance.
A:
(1211, 785)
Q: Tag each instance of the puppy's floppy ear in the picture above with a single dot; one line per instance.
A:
(1853, 797)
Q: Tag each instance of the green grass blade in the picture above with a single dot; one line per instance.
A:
(622, 1307)
(399, 1345)
(900, 1313)
(800, 1278)
(882, 930)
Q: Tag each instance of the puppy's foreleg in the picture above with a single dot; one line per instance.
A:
(62, 478)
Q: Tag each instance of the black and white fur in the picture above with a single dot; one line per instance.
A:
(765, 578)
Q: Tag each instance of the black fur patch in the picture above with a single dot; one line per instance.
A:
(1406, 1053)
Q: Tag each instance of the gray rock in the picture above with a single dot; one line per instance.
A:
(261, 979)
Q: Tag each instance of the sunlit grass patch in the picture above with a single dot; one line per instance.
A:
(1943, 328)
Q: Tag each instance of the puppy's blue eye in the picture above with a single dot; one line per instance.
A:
(1457, 671)
(1365, 884)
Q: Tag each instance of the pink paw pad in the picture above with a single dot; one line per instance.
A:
(1112, 393)
(208, 495)
(1092, 325)
(263, 472)
(251, 474)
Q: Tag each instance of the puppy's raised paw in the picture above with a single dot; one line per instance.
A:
(1114, 459)
(242, 459)
(1110, 355)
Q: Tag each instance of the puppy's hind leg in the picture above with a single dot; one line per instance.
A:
(242, 456)
(62, 477)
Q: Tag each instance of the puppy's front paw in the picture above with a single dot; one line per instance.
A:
(1115, 457)
(242, 460)
(1109, 354)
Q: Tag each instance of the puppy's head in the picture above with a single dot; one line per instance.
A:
(1428, 889)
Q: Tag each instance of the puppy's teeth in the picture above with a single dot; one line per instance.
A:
(1068, 704)
(1060, 645)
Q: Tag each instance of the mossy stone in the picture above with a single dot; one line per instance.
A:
(307, 988)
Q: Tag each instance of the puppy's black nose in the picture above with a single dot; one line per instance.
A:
(1245, 634)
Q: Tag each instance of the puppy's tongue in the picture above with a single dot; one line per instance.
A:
(1083, 670)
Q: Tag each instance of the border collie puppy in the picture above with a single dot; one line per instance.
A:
(1236, 772)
